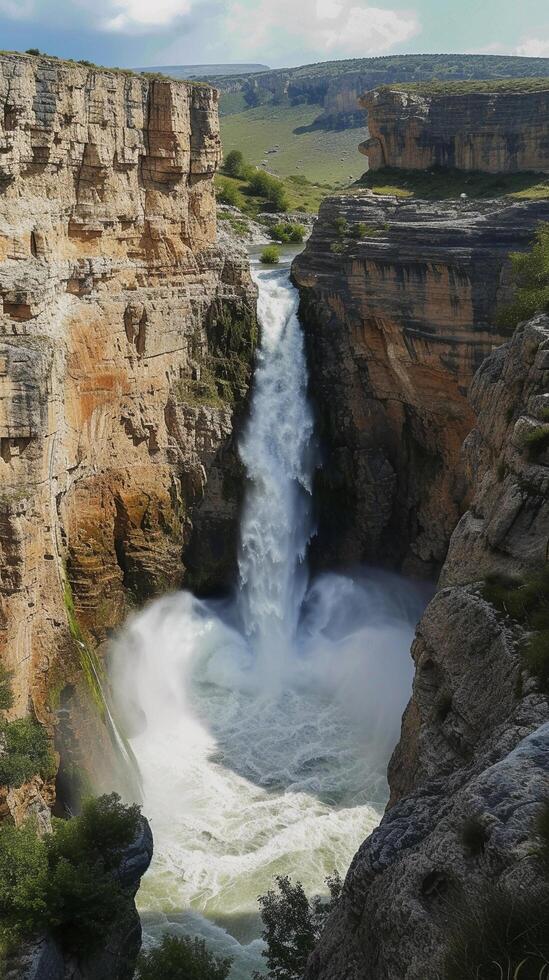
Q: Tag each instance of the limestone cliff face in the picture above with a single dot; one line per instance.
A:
(398, 301)
(498, 132)
(126, 344)
(475, 737)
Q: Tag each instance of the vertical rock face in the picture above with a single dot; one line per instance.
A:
(475, 738)
(498, 132)
(126, 344)
(398, 302)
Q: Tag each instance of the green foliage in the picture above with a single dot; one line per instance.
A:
(292, 925)
(337, 248)
(441, 183)
(64, 882)
(537, 441)
(234, 165)
(6, 696)
(26, 752)
(499, 937)
(228, 193)
(270, 255)
(472, 86)
(341, 226)
(531, 278)
(181, 959)
(527, 601)
(285, 231)
(268, 187)
(34, 51)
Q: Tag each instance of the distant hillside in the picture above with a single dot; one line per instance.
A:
(205, 71)
(336, 85)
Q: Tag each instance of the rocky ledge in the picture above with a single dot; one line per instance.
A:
(398, 301)
(471, 772)
(496, 131)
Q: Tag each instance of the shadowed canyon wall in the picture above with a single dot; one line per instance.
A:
(398, 304)
(126, 346)
(498, 131)
(474, 749)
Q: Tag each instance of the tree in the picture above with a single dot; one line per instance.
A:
(531, 279)
(292, 924)
(234, 164)
(228, 193)
(271, 188)
(181, 959)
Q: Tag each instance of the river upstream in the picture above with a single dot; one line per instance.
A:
(266, 721)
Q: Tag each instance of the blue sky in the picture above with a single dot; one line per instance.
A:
(274, 32)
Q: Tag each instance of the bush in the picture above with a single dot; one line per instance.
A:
(292, 925)
(181, 959)
(499, 937)
(527, 601)
(35, 51)
(285, 231)
(270, 255)
(341, 226)
(26, 752)
(234, 165)
(6, 696)
(228, 193)
(64, 882)
(271, 188)
(531, 278)
(537, 441)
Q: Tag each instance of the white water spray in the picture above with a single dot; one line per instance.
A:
(265, 723)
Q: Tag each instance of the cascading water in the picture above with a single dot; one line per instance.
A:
(263, 724)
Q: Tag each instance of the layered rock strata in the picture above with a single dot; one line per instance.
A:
(398, 304)
(497, 132)
(126, 345)
(474, 750)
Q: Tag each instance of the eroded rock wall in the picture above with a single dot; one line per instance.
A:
(475, 737)
(398, 304)
(126, 345)
(498, 132)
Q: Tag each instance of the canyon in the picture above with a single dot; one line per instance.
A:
(127, 447)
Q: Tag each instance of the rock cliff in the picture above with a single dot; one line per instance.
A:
(126, 345)
(496, 131)
(398, 303)
(474, 751)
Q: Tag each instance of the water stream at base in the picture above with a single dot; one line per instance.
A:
(264, 723)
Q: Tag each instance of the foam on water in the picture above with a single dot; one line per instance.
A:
(262, 725)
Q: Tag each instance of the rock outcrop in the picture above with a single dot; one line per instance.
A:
(398, 304)
(127, 337)
(474, 750)
(494, 131)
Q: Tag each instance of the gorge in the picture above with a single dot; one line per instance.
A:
(394, 427)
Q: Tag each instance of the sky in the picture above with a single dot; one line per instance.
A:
(278, 33)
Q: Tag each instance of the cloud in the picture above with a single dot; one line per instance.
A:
(324, 28)
(533, 47)
(142, 15)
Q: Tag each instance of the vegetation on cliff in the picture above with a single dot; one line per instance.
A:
(526, 600)
(446, 183)
(181, 959)
(444, 87)
(65, 882)
(24, 745)
(292, 924)
(531, 277)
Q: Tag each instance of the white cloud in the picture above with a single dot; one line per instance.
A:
(326, 28)
(17, 9)
(142, 15)
(533, 47)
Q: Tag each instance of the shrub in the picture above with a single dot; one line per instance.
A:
(34, 51)
(535, 655)
(285, 231)
(531, 278)
(537, 441)
(229, 193)
(234, 165)
(341, 225)
(270, 255)
(499, 937)
(64, 882)
(26, 752)
(527, 601)
(271, 188)
(6, 696)
(181, 959)
(292, 925)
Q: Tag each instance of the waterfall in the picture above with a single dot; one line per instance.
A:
(262, 725)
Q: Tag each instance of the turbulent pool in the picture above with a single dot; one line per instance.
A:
(264, 722)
